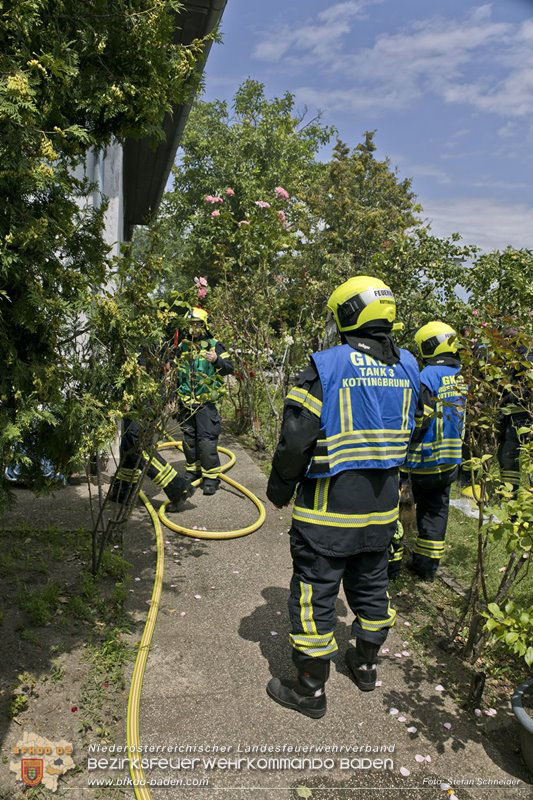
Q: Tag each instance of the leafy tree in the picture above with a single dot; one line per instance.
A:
(501, 285)
(358, 205)
(74, 76)
(498, 374)
(251, 148)
(425, 272)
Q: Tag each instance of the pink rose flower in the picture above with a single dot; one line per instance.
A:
(200, 282)
(202, 292)
(262, 204)
(475, 312)
(213, 199)
(282, 218)
(281, 193)
(215, 213)
(230, 192)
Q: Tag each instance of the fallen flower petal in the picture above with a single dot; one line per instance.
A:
(182, 614)
(273, 633)
(401, 718)
(448, 726)
(384, 650)
(397, 655)
(477, 712)
(378, 683)
(406, 653)
(428, 759)
(407, 624)
(197, 596)
(444, 787)
(420, 758)
(412, 729)
(393, 711)
(405, 772)
(439, 687)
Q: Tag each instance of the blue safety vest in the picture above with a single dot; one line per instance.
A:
(368, 410)
(443, 441)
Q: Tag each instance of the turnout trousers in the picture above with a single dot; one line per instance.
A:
(132, 461)
(432, 497)
(313, 594)
(509, 449)
(201, 429)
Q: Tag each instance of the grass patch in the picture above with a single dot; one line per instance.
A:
(55, 605)
(461, 552)
(40, 605)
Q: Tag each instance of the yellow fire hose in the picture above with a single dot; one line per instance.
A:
(133, 738)
(215, 534)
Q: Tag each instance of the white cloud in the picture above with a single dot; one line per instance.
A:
(427, 171)
(492, 184)
(317, 38)
(436, 54)
(483, 221)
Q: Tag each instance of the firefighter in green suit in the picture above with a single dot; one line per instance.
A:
(203, 363)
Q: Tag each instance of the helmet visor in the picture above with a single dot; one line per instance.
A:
(350, 311)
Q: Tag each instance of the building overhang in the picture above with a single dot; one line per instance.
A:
(146, 166)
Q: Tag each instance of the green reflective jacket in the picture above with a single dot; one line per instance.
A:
(199, 380)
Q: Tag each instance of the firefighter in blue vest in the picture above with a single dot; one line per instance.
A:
(433, 462)
(346, 429)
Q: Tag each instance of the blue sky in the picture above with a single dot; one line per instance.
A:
(448, 84)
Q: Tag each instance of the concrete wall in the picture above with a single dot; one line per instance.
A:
(103, 168)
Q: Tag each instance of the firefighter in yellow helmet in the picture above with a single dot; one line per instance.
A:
(433, 461)
(203, 364)
(346, 429)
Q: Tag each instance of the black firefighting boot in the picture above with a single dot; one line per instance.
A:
(308, 693)
(361, 660)
(191, 477)
(178, 497)
(119, 491)
(210, 485)
(427, 575)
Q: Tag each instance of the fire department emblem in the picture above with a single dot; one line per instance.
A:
(31, 771)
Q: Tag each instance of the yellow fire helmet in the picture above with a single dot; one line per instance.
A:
(436, 338)
(361, 300)
(199, 314)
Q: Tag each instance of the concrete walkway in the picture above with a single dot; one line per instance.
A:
(222, 633)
